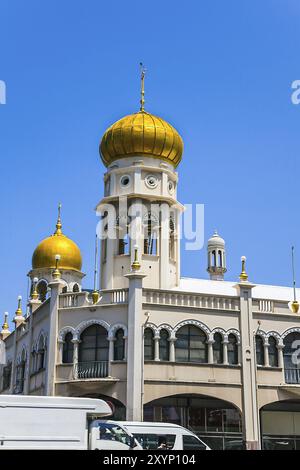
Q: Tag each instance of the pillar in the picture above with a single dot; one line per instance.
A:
(225, 352)
(55, 286)
(156, 348)
(172, 349)
(135, 382)
(250, 412)
(210, 343)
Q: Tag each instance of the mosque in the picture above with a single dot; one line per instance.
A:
(218, 357)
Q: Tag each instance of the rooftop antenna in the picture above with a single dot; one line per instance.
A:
(142, 100)
(295, 304)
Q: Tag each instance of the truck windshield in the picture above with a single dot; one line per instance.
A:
(113, 432)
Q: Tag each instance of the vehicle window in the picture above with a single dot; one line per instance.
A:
(191, 442)
(113, 432)
(156, 441)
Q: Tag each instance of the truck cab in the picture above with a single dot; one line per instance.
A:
(109, 435)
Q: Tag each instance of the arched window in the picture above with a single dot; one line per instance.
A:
(260, 351)
(123, 223)
(68, 349)
(273, 352)
(191, 345)
(6, 376)
(94, 344)
(148, 345)
(64, 290)
(41, 353)
(150, 236)
(20, 373)
(42, 289)
(172, 239)
(232, 350)
(76, 288)
(33, 361)
(220, 258)
(218, 348)
(164, 345)
(119, 345)
(291, 358)
(214, 258)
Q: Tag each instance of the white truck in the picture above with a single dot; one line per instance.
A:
(40, 422)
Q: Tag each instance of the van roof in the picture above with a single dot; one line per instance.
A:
(94, 405)
(151, 424)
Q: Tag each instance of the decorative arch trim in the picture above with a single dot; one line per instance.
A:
(64, 331)
(196, 323)
(114, 328)
(85, 324)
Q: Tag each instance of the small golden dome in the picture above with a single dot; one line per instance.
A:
(58, 243)
(141, 134)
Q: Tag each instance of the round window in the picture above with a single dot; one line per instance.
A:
(151, 181)
(125, 181)
(171, 187)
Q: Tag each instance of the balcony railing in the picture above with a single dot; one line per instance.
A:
(91, 370)
(292, 376)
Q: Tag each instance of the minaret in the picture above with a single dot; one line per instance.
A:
(216, 257)
(5, 327)
(140, 207)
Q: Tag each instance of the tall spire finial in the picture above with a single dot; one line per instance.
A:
(142, 100)
(295, 304)
(58, 223)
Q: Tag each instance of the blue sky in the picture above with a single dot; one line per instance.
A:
(220, 72)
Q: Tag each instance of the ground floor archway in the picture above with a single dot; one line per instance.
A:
(118, 408)
(216, 421)
(280, 425)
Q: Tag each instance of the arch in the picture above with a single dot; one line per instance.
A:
(217, 330)
(119, 345)
(203, 414)
(64, 331)
(117, 326)
(93, 352)
(218, 348)
(85, 324)
(76, 287)
(197, 323)
(42, 289)
(290, 330)
(273, 351)
(149, 344)
(259, 349)
(164, 350)
(232, 349)
(68, 349)
(191, 344)
(153, 327)
(275, 335)
(234, 332)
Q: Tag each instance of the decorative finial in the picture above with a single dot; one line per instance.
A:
(243, 275)
(56, 273)
(5, 327)
(95, 293)
(34, 294)
(295, 303)
(136, 264)
(58, 223)
(19, 309)
(142, 100)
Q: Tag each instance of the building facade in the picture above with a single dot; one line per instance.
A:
(218, 357)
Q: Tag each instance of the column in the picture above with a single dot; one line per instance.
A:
(75, 357)
(156, 348)
(110, 354)
(55, 286)
(280, 355)
(125, 347)
(238, 345)
(135, 365)
(266, 354)
(225, 352)
(60, 351)
(250, 412)
(210, 343)
(164, 282)
(172, 349)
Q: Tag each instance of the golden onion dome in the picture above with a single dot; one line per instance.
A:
(57, 244)
(141, 134)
